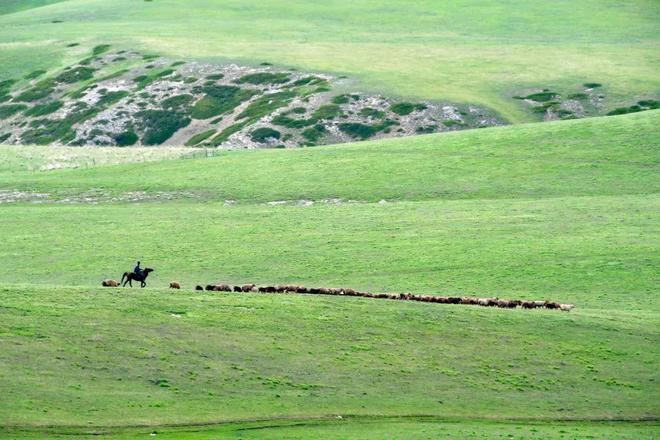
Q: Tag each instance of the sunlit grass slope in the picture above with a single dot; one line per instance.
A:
(468, 51)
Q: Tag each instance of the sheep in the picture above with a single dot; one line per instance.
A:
(565, 307)
(198, 287)
(237, 289)
(110, 283)
(175, 285)
(551, 305)
(248, 287)
(528, 305)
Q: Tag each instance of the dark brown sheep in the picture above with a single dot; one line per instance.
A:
(302, 289)
(551, 305)
(198, 287)
(528, 305)
(237, 289)
(210, 287)
(262, 289)
(175, 285)
(349, 292)
(248, 287)
(324, 291)
(110, 283)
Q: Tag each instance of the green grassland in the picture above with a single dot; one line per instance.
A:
(566, 211)
(471, 51)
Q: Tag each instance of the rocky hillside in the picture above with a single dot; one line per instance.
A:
(126, 98)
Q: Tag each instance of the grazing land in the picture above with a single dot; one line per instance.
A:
(564, 210)
(542, 224)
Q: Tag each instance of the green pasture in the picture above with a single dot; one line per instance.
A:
(93, 358)
(564, 211)
(473, 51)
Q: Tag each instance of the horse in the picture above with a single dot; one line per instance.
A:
(132, 276)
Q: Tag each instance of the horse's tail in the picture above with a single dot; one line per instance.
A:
(122, 277)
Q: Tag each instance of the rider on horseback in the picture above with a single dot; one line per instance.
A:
(137, 271)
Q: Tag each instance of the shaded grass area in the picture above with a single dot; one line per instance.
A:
(373, 428)
(232, 356)
(598, 156)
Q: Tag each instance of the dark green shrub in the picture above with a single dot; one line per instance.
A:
(592, 85)
(308, 80)
(5, 98)
(369, 112)
(44, 109)
(80, 73)
(101, 48)
(299, 110)
(4, 137)
(215, 76)
(542, 96)
(427, 129)
(264, 78)
(177, 101)
(579, 96)
(40, 90)
(177, 63)
(35, 74)
(9, 110)
(111, 98)
(266, 104)
(126, 138)
(73, 44)
(451, 123)
(649, 103)
(199, 137)
(262, 134)
(227, 132)
(340, 99)
(406, 108)
(160, 125)
(5, 85)
(357, 130)
(329, 111)
(218, 100)
(286, 121)
(314, 134)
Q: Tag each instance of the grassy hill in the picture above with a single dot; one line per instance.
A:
(565, 211)
(469, 51)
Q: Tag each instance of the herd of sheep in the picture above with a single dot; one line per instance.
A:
(467, 300)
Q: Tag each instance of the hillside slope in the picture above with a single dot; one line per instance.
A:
(599, 156)
(467, 51)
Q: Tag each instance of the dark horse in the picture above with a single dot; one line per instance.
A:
(132, 276)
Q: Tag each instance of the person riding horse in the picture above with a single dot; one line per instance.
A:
(138, 274)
